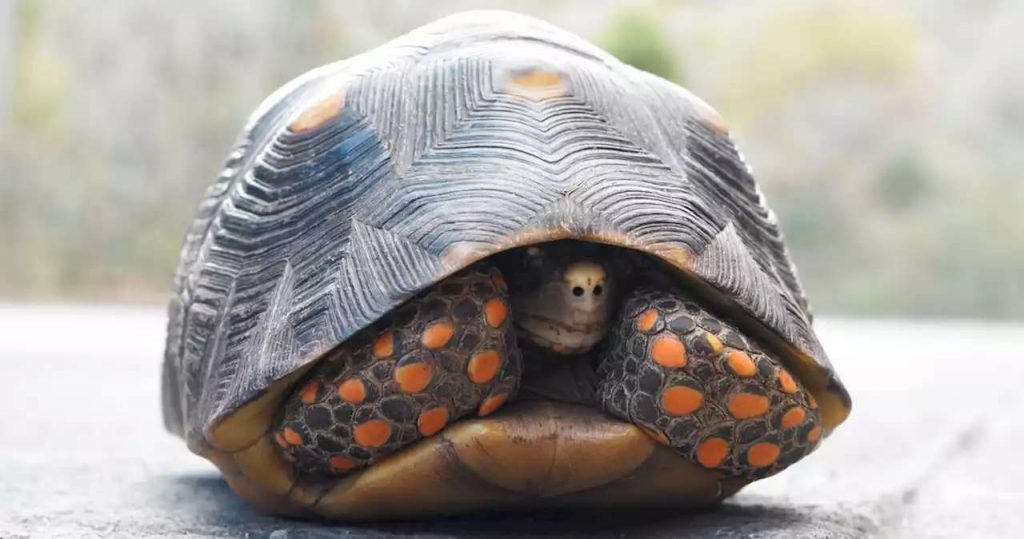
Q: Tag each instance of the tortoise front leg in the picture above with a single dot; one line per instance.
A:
(693, 382)
(446, 354)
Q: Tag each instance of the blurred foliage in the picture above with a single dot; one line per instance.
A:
(40, 76)
(887, 136)
(793, 46)
(902, 182)
(637, 37)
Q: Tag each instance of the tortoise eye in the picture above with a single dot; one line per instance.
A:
(598, 290)
(577, 291)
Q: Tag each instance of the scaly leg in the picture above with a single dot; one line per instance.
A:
(694, 383)
(446, 354)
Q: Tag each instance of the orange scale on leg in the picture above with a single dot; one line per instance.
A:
(646, 320)
(495, 312)
(747, 405)
(814, 434)
(341, 464)
(741, 364)
(668, 351)
(433, 420)
(373, 433)
(308, 393)
(384, 346)
(762, 454)
(352, 390)
(492, 403)
(414, 377)
(292, 437)
(484, 366)
(714, 343)
(280, 439)
(786, 382)
(437, 335)
(712, 452)
(793, 417)
(681, 400)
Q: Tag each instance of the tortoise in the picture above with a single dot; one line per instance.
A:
(488, 266)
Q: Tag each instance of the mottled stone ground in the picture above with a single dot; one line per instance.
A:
(932, 449)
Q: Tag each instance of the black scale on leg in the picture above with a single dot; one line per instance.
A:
(446, 354)
(692, 381)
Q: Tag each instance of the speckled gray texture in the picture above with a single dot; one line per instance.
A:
(930, 451)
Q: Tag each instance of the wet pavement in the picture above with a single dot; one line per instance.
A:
(932, 448)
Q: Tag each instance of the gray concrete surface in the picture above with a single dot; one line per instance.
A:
(932, 449)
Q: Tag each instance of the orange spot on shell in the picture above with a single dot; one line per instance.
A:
(710, 116)
(495, 311)
(786, 382)
(714, 343)
(711, 452)
(437, 335)
(537, 84)
(762, 454)
(668, 351)
(318, 114)
(811, 401)
(352, 390)
(433, 420)
(747, 405)
(716, 123)
(793, 417)
(292, 437)
(537, 78)
(308, 393)
(741, 364)
(373, 433)
(681, 400)
(484, 366)
(492, 403)
(646, 320)
(384, 346)
(814, 434)
(341, 464)
(413, 378)
(677, 256)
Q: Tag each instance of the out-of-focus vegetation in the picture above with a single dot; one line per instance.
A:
(637, 36)
(887, 135)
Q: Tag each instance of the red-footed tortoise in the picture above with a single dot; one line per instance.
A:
(486, 265)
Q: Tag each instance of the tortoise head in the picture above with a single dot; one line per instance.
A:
(566, 306)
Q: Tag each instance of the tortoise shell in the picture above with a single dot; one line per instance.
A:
(364, 182)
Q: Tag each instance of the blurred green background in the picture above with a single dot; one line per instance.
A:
(887, 135)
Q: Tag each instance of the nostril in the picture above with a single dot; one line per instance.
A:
(598, 290)
(577, 291)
